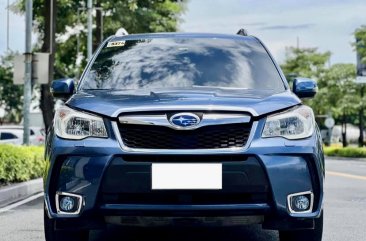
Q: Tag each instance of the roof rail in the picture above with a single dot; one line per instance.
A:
(121, 32)
(242, 32)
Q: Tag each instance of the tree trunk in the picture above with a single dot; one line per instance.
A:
(344, 130)
(46, 101)
(361, 125)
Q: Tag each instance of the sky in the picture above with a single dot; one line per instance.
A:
(16, 29)
(326, 24)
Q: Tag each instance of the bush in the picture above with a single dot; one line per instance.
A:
(21, 163)
(345, 152)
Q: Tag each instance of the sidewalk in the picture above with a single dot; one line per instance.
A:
(19, 191)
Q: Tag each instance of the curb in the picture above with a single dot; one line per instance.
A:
(339, 158)
(20, 191)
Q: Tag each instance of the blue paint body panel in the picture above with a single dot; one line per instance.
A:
(277, 166)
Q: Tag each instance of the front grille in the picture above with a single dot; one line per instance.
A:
(206, 137)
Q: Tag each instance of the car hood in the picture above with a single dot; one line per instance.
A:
(112, 103)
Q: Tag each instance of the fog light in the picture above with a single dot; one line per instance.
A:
(300, 202)
(67, 204)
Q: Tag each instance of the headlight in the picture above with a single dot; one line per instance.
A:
(294, 124)
(72, 124)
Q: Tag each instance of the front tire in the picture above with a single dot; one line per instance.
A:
(305, 235)
(51, 234)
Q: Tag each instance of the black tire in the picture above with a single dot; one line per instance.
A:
(305, 235)
(62, 235)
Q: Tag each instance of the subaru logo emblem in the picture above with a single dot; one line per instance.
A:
(185, 120)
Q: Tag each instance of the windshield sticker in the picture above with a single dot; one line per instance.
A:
(116, 44)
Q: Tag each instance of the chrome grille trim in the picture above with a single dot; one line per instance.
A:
(208, 119)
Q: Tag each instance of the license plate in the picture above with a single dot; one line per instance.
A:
(172, 176)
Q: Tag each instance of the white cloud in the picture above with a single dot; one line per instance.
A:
(325, 24)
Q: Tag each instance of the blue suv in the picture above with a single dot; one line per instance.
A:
(172, 128)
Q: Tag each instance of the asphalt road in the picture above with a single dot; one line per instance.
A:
(345, 216)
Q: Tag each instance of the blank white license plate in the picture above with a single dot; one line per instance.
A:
(186, 176)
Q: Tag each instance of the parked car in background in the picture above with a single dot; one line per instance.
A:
(13, 134)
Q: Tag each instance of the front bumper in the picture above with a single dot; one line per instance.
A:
(258, 179)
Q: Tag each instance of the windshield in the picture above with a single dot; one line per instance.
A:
(183, 63)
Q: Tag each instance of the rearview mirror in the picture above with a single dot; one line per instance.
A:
(304, 88)
(62, 88)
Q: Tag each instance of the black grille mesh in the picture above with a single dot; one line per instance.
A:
(207, 137)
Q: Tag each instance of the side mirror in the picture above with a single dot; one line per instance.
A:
(62, 88)
(304, 88)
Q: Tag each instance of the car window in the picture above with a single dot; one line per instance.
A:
(7, 136)
(176, 62)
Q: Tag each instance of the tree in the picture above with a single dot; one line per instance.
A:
(337, 91)
(360, 44)
(136, 16)
(305, 62)
(340, 94)
(360, 47)
(308, 62)
(11, 96)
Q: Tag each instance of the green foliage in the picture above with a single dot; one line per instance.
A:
(338, 94)
(21, 163)
(360, 45)
(345, 151)
(10, 95)
(136, 16)
(304, 62)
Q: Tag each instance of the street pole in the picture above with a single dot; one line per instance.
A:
(28, 70)
(90, 30)
(7, 29)
(78, 44)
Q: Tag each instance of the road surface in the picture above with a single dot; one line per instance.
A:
(345, 215)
